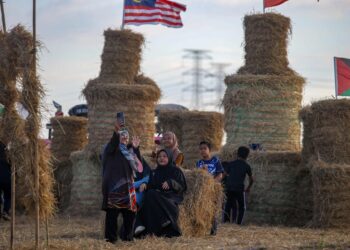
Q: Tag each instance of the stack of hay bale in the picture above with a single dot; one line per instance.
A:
(192, 127)
(326, 155)
(69, 135)
(262, 103)
(119, 88)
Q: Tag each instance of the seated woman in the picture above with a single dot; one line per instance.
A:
(165, 189)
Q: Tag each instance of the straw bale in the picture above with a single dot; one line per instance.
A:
(172, 120)
(69, 135)
(137, 103)
(273, 196)
(144, 80)
(326, 131)
(121, 56)
(304, 202)
(199, 126)
(263, 109)
(202, 203)
(266, 40)
(85, 198)
(331, 192)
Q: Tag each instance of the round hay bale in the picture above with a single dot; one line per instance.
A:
(266, 40)
(331, 192)
(86, 197)
(263, 109)
(273, 196)
(144, 80)
(171, 120)
(137, 103)
(200, 126)
(202, 203)
(121, 56)
(326, 129)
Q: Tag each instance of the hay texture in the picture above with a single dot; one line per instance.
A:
(19, 85)
(121, 56)
(170, 120)
(69, 135)
(326, 131)
(86, 196)
(331, 188)
(202, 203)
(136, 101)
(266, 40)
(120, 88)
(263, 109)
(200, 126)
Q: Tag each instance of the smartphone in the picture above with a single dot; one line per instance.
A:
(121, 118)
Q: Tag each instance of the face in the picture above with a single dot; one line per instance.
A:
(167, 141)
(162, 159)
(204, 151)
(124, 138)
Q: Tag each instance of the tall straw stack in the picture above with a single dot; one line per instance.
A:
(202, 203)
(200, 126)
(121, 56)
(69, 135)
(262, 101)
(120, 88)
(331, 192)
(26, 152)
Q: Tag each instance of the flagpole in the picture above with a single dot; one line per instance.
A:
(336, 78)
(122, 27)
(264, 6)
(3, 16)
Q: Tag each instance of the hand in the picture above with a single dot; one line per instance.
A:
(205, 166)
(143, 187)
(117, 126)
(135, 141)
(165, 185)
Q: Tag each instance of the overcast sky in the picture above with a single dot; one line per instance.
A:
(72, 32)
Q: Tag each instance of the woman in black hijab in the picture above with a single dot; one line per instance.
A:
(165, 190)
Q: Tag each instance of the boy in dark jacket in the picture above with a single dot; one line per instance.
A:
(236, 172)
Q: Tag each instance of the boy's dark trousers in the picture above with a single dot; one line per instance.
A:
(235, 198)
(5, 188)
(111, 224)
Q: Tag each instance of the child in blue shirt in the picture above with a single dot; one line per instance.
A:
(209, 163)
(213, 166)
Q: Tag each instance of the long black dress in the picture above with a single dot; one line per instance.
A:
(160, 210)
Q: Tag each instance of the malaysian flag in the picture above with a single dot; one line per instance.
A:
(138, 12)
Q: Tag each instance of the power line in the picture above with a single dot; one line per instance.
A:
(220, 77)
(197, 72)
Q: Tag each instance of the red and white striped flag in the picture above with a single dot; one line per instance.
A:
(139, 12)
(271, 3)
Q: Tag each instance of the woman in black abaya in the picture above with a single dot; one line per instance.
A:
(165, 190)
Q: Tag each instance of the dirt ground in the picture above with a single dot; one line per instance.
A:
(85, 233)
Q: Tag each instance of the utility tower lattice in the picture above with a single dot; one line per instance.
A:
(197, 72)
(219, 69)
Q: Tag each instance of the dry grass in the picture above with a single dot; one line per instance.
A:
(202, 203)
(326, 126)
(78, 233)
(331, 193)
(263, 109)
(171, 120)
(121, 56)
(266, 40)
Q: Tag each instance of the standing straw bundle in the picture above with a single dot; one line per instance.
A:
(25, 151)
